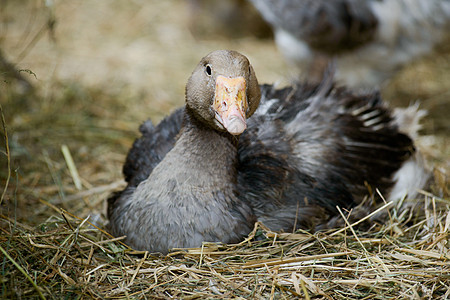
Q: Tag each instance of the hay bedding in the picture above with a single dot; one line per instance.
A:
(69, 257)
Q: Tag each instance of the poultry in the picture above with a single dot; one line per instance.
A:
(369, 40)
(208, 172)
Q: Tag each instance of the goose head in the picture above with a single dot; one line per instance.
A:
(223, 91)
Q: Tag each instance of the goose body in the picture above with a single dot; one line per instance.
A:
(368, 39)
(208, 172)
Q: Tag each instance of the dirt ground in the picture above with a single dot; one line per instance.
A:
(100, 68)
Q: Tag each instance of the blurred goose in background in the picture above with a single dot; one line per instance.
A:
(369, 39)
(238, 153)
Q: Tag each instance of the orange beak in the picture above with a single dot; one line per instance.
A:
(230, 103)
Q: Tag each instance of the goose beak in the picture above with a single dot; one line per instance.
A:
(230, 103)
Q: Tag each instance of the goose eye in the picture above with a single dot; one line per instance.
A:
(249, 70)
(208, 70)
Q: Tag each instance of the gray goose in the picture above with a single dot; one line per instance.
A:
(238, 153)
(369, 40)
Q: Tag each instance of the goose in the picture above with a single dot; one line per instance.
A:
(368, 40)
(239, 152)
